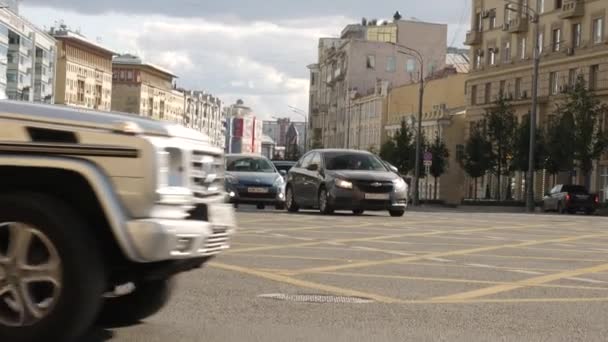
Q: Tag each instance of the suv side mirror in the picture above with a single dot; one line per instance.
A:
(313, 167)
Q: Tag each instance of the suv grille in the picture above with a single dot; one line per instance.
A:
(217, 242)
(207, 174)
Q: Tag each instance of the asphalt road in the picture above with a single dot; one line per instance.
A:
(429, 276)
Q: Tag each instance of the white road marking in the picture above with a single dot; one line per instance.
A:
(378, 250)
(564, 245)
(587, 280)
(526, 272)
(599, 250)
(439, 259)
(481, 265)
(334, 243)
(495, 237)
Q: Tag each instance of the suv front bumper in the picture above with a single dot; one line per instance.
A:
(169, 239)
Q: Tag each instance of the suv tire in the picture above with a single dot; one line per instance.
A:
(148, 298)
(81, 272)
(397, 213)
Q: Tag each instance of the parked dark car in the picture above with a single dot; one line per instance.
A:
(331, 180)
(283, 166)
(570, 199)
(253, 179)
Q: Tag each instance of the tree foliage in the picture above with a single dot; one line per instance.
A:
(477, 158)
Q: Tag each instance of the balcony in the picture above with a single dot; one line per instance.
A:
(572, 9)
(473, 38)
(517, 25)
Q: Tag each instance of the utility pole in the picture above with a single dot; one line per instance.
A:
(418, 56)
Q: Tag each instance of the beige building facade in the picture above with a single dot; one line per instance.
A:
(350, 67)
(145, 89)
(203, 112)
(366, 114)
(444, 115)
(574, 41)
(84, 72)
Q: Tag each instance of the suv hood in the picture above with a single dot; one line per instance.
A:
(381, 176)
(85, 118)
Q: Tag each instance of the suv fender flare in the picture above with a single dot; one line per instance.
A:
(99, 182)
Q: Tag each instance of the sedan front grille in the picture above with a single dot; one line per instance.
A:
(207, 174)
(374, 186)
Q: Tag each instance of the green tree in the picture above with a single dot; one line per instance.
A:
(441, 156)
(477, 158)
(521, 149)
(590, 141)
(559, 147)
(500, 124)
(400, 150)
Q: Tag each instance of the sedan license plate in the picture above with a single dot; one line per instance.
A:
(257, 190)
(381, 197)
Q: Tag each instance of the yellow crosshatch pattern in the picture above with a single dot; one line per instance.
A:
(429, 258)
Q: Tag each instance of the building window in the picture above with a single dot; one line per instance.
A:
(478, 61)
(553, 83)
(557, 38)
(391, 64)
(598, 30)
(492, 56)
(488, 93)
(130, 75)
(371, 62)
(507, 52)
(594, 71)
(540, 6)
(518, 87)
(576, 35)
(541, 42)
(474, 95)
(558, 4)
(523, 47)
(492, 19)
(479, 22)
(571, 77)
(122, 75)
(501, 89)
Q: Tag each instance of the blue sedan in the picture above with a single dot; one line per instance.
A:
(253, 179)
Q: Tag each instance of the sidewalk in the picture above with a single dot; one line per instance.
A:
(483, 209)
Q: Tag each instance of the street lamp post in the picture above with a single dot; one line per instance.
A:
(530, 198)
(303, 114)
(418, 56)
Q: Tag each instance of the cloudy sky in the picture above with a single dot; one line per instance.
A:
(256, 50)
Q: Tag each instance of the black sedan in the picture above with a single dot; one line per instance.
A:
(253, 179)
(344, 180)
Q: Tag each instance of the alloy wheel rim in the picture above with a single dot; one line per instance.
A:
(30, 275)
(289, 199)
(323, 201)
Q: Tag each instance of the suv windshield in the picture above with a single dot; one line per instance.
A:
(248, 164)
(353, 161)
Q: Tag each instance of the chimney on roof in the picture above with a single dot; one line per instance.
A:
(397, 16)
(364, 21)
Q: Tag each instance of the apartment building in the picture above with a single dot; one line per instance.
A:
(444, 110)
(277, 130)
(145, 89)
(574, 41)
(366, 112)
(84, 71)
(203, 112)
(243, 129)
(349, 67)
(27, 55)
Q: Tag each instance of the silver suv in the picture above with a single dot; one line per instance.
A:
(98, 212)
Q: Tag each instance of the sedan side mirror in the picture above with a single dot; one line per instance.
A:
(283, 173)
(393, 168)
(313, 167)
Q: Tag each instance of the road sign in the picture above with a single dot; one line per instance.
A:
(428, 163)
(428, 156)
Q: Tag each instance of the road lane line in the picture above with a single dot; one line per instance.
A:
(443, 254)
(381, 237)
(587, 280)
(456, 280)
(304, 284)
(439, 259)
(382, 251)
(522, 283)
(526, 272)
(481, 265)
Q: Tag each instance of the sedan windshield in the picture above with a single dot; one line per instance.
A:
(249, 164)
(353, 161)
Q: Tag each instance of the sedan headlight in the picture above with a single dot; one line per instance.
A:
(399, 184)
(340, 183)
(279, 181)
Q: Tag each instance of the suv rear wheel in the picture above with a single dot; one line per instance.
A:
(148, 298)
(53, 275)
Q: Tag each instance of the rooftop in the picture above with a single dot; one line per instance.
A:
(128, 59)
(64, 34)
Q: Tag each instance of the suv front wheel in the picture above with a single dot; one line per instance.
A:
(51, 273)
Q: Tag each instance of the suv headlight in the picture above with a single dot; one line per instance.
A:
(171, 180)
(340, 183)
(399, 184)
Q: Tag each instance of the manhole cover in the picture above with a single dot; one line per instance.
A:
(316, 298)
